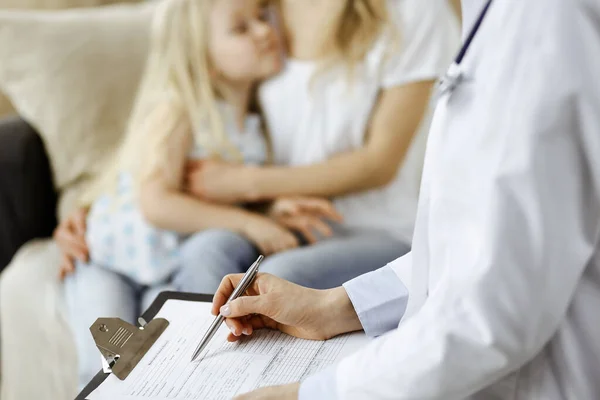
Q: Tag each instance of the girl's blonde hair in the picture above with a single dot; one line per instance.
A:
(177, 78)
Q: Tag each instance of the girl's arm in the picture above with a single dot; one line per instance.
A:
(175, 211)
(162, 201)
(395, 120)
(164, 204)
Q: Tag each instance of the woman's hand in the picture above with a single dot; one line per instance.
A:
(269, 236)
(299, 205)
(283, 392)
(305, 215)
(218, 181)
(70, 237)
(274, 303)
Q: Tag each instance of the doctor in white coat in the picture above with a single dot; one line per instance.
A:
(500, 296)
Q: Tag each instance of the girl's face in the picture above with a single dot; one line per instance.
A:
(243, 44)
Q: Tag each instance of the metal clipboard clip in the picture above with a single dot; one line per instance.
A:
(451, 79)
(123, 345)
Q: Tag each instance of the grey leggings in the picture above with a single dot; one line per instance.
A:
(210, 255)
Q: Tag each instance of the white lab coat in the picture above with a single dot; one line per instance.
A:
(505, 268)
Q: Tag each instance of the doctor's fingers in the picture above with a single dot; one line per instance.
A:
(245, 326)
(226, 288)
(263, 284)
(238, 328)
(263, 304)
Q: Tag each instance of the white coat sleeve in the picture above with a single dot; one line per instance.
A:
(379, 299)
(513, 244)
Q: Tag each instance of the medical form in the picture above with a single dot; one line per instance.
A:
(224, 369)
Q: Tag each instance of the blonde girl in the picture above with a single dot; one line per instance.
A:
(205, 60)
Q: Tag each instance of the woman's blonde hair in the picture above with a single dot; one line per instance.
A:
(354, 31)
(177, 78)
(359, 26)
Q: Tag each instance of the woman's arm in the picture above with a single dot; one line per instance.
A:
(394, 122)
(162, 201)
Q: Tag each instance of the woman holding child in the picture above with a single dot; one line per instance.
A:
(346, 118)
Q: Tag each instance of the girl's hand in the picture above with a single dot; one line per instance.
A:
(310, 227)
(70, 237)
(269, 236)
(218, 181)
(305, 215)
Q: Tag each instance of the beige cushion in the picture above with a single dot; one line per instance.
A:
(39, 359)
(6, 108)
(73, 75)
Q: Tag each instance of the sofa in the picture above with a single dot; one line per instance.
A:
(30, 296)
(71, 77)
(27, 195)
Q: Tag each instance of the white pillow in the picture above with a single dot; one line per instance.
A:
(5, 106)
(73, 75)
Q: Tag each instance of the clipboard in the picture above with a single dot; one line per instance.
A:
(148, 315)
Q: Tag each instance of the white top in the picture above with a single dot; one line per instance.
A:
(505, 285)
(120, 239)
(310, 123)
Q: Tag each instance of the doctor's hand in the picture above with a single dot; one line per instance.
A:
(283, 392)
(70, 238)
(274, 303)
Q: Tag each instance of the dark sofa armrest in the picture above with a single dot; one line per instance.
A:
(27, 195)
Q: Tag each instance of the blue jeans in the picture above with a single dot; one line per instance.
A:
(210, 255)
(93, 292)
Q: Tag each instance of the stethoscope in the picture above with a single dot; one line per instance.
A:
(454, 76)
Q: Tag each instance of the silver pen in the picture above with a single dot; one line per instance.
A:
(239, 290)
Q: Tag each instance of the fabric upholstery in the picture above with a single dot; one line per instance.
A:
(76, 82)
